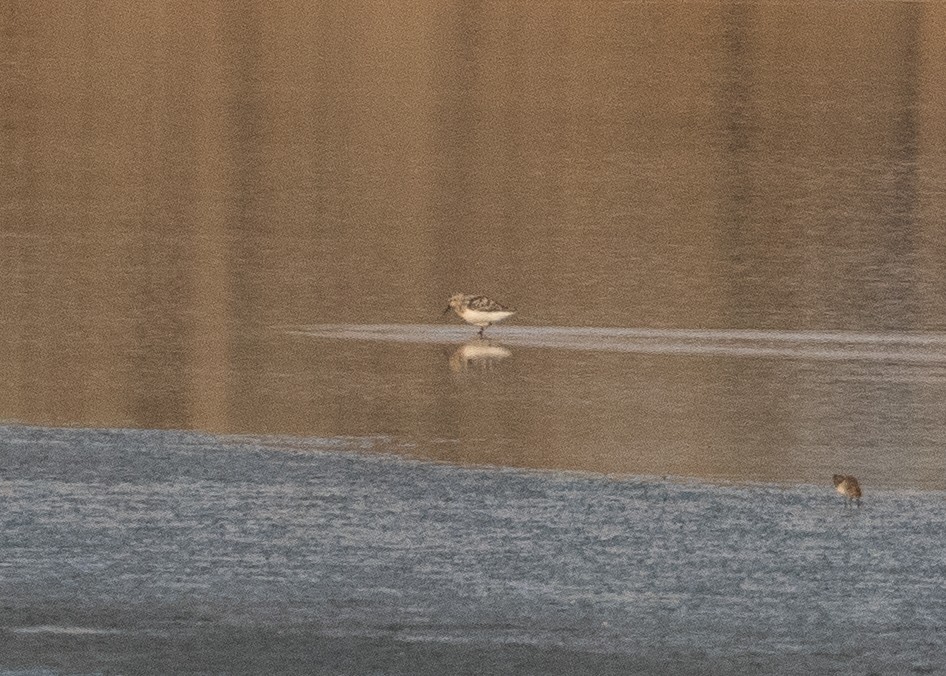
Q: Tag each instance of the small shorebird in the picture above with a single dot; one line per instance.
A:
(478, 310)
(847, 486)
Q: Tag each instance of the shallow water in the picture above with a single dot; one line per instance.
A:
(129, 551)
(661, 190)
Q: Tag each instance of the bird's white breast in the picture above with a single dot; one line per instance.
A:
(481, 318)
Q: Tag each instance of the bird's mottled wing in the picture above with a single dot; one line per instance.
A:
(484, 304)
(854, 488)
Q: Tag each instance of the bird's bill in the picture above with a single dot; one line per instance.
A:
(445, 310)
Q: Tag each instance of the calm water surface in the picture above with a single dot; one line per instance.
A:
(721, 223)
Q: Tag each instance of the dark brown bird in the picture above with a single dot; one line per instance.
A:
(847, 486)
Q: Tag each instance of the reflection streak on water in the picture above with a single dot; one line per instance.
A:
(815, 345)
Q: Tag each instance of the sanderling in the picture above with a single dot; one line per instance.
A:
(478, 310)
(847, 486)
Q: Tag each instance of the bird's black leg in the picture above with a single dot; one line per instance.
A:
(482, 328)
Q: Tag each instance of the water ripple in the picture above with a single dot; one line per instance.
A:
(927, 348)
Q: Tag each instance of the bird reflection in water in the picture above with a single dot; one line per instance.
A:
(477, 354)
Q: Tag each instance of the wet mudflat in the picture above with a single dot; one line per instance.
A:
(128, 551)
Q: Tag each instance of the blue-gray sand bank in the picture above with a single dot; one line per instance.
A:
(155, 552)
